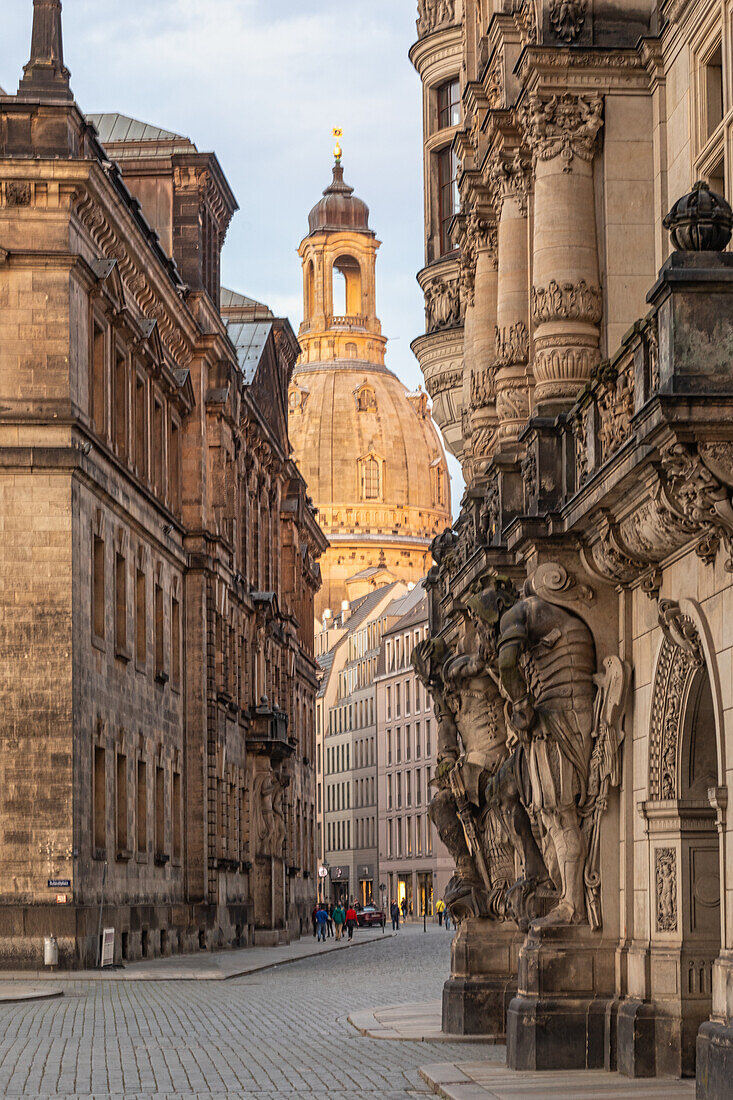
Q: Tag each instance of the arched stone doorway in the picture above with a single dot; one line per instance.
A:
(684, 845)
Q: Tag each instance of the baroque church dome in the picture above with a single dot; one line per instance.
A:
(368, 449)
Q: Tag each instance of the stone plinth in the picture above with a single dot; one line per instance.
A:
(484, 957)
(557, 1019)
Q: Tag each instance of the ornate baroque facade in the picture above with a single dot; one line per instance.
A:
(159, 553)
(578, 351)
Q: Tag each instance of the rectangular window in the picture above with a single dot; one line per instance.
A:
(176, 814)
(389, 703)
(175, 643)
(160, 673)
(389, 792)
(399, 837)
(407, 697)
(417, 740)
(141, 619)
(141, 433)
(408, 788)
(119, 433)
(98, 381)
(408, 746)
(427, 739)
(398, 786)
(142, 808)
(418, 787)
(448, 196)
(428, 836)
(100, 800)
(158, 447)
(159, 812)
(418, 835)
(408, 835)
(121, 803)
(389, 746)
(449, 104)
(174, 464)
(713, 90)
(98, 594)
(397, 706)
(120, 606)
(398, 737)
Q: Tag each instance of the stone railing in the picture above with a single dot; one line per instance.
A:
(350, 321)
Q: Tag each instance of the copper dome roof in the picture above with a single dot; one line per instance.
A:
(339, 208)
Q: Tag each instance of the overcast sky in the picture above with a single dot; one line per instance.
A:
(263, 83)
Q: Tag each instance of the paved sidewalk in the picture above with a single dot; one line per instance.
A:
(417, 1023)
(205, 966)
(491, 1081)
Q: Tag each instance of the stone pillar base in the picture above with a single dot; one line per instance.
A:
(565, 985)
(715, 1061)
(483, 978)
(635, 1039)
(477, 1006)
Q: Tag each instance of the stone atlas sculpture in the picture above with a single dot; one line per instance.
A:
(529, 735)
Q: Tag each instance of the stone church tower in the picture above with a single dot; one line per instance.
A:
(368, 449)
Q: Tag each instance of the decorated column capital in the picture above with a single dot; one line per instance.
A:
(510, 179)
(478, 234)
(564, 126)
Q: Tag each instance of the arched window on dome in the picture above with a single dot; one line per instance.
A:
(366, 398)
(351, 351)
(370, 477)
(346, 298)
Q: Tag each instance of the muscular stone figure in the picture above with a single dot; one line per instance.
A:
(547, 664)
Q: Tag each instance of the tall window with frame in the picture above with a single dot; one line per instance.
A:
(98, 379)
(448, 197)
(449, 104)
(370, 478)
(713, 113)
(140, 444)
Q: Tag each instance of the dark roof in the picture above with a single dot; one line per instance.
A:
(339, 208)
(119, 128)
(412, 608)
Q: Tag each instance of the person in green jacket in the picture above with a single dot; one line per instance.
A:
(339, 916)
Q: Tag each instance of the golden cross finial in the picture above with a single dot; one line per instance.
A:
(338, 153)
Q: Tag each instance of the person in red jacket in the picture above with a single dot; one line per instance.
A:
(351, 920)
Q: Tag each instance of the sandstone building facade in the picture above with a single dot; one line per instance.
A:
(415, 865)
(159, 551)
(578, 352)
(368, 450)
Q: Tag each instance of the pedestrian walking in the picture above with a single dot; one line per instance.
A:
(314, 921)
(394, 912)
(447, 919)
(322, 921)
(330, 921)
(440, 909)
(351, 920)
(339, 917)
(404, 908)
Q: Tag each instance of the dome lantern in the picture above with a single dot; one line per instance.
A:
(339, 209)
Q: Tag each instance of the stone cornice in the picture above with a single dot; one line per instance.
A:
(440, 45)
(554, 70)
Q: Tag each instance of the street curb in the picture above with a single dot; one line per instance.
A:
(121, 976)
(36, 995)
(367, 1024)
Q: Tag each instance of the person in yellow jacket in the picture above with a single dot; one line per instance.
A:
(440, 909)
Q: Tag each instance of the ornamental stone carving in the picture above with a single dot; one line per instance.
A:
(510, 179)
(665, 870)
(17, 193)
(615, 408)
(525, 17)
(567, 18)
(567, 301)
(529, 475)
(483, 388)
(698, 493)
(512, 344)
(512, 404)
(680, 658)
(433, 14)
(443, 305)
(564, 126)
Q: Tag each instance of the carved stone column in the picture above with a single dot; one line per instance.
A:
(511, 351)
(481, 396)
(566, 297)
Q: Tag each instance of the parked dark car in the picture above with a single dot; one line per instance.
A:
(371, 917)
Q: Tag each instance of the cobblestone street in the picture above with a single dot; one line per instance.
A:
(283, 1032)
